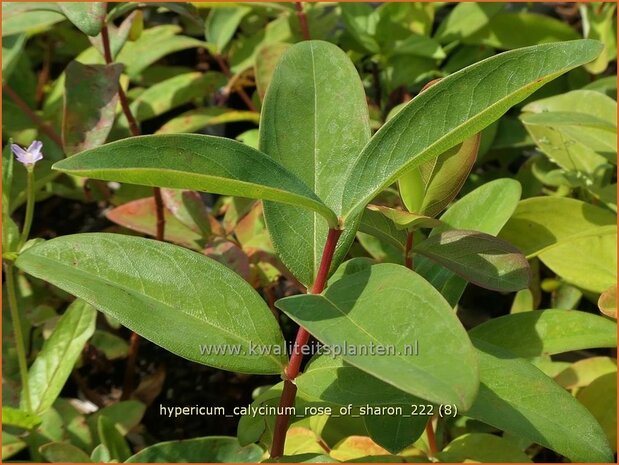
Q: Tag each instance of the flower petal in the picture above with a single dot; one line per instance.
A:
(17, 150)
(35, 147)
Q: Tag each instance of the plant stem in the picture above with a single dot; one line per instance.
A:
(124, 102)
(29, 208)
(303, 21)
(433, 450)
(408, 252)
(17, 332)
(292, 370)
(221, 62)
(36, 119)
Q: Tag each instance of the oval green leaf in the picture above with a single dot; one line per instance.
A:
(542, 222)
(213, 449)
(54, 364)
(479, 258)
(196, 162)
(314, 122)
(516, 397)
(486, 209)
(176, 298)
(416, 314)
(88, 17)
(455, 108)
(547, 332)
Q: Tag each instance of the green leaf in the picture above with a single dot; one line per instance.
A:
(193, 120)
(330, 379)
(100, 454)
(11, 445)
(191, 161)
(124, 415)
(517, 398)
(112, 346)
(19, 418)
(32, 18)
(88, 17)
(334, 381)
(577, 130)
(482, 447)
(91, 96)
(316, 144)
(588, 261)
(221, 24)
(396, 432)
(153, 289)
(12, 47)
(154, 43)
(583, 372)
(403, 219)
(346, 314)
(112, 439)
(547, 332)
(54, 364)
(504, 31)
(479, 258)
(429, 188)
(452, 110)
(214, 449)
(466, 19)
(360, 20)
(599, 22)
(486, 209)
(384, 228)
(175, 92)
(61, 452)
(600, 398)
(540, 223)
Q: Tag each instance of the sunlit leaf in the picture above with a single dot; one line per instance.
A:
(453, 110)
(151, 288)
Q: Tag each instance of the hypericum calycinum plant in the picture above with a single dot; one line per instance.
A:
(317, 171)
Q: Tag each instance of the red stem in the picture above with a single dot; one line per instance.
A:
(294, 366)
(42, 125)
(303, 21)
(408, 252)
(433, 450)
(224, 69)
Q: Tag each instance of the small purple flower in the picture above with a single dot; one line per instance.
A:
(29, 156)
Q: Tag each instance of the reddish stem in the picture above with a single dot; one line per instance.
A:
(303, 20)
(124, 102)
(433, 450)
(224, 69)
(408, 251)
(159, 214)
(128, 386)
(42, 125)
(294, 366)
